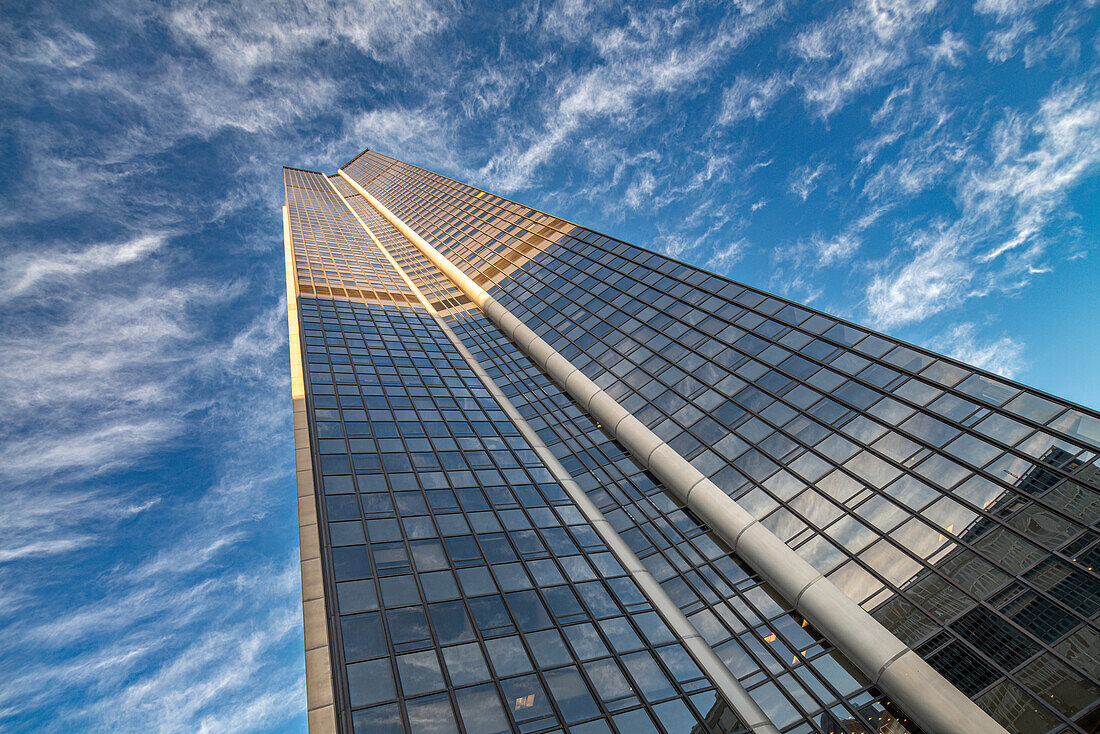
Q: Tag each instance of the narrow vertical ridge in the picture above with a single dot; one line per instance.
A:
(320, 697)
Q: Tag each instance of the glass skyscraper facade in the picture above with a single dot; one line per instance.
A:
(550, 481)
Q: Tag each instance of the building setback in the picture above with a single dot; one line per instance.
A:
(550, 481)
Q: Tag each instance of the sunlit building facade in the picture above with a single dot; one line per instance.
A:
(550, 481)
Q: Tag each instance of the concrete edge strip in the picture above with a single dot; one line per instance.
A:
(745, 707)
(320, 696)
(920, 691)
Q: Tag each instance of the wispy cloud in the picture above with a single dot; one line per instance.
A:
(1034, 31)
(151, 674)
(211, 70)
(109, 375)
(917, 169)
(653, 55)
(855, 49)
(252, 36)
(804, 180)
(1018, 186)
(836, 249)
(933, 280)
(640, 189)
(726, 256)
(92, 451)
(109, 351)
(28, 270)
(1008, 8)
(1002, 355)
(428, 133)
(64, 48)
(750, 96)
(950, 49)
(1034, 161)
(820, 250)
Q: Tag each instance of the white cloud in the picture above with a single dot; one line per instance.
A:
(252, 349)
(92, 451)
(572, 20)
(640, 190)
(492, 88)
(856, 49)
(247, 37)
(1019, 187)
(1008, 8)
(804, 179)
(750, 96)
(810, 255)
(172, 658)
(653, 55)
(950, 50)
(727, 256)
(1002, 356)
(249, 70)
(921, 141)
(835, 249)
(1003, 43)
(423, 134)
(24, 271)
(105, 350)
(907, 175)
(1036, 161)
(67, 48)
(932, 281)
(185, 635)
(1027, 26)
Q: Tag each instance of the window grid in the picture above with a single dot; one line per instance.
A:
(511, 369)
(325, 402)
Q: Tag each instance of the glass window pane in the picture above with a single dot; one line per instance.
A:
(526, 700)
(610, 683)
(571, 695)
(481, 710)
(653, 683)
(548, 648)
(356, 596)
(675, 717)
(370, 682)
(419, 673)
(451, 622)
(465, 664)
(362, 634)
(431, 715)
(378, 720)
(508, 656)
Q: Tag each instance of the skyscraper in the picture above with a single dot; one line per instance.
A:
(551, 481)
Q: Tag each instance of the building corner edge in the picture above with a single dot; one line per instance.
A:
(320, 698)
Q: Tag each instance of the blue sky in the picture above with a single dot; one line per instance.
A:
(928, 168)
